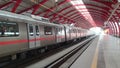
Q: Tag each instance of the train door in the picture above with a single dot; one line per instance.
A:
(34, 35)
(58, 35)
(37, 36)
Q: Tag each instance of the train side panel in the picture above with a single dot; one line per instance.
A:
(14, 39)
(47, 34)
(60, 34)
(67, 33)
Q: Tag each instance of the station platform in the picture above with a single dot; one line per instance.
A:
(104, 52)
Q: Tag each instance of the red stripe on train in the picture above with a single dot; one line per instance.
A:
(12, 42)
(25, 40)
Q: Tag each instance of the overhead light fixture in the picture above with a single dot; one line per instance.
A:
(56, 1)
(72, 24)
(118, 0)
(119, 23)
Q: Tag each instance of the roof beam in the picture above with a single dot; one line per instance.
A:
(52, 8)
(86, 23)
(108, 4)
(4, 5)
(104, 8)
(39, 5)
(117, 5)
(62, 10)
(94, 14)
(60, 16)
(71, 14)
(83, 12)
(35, 7)
(16, 5)
(66, 8)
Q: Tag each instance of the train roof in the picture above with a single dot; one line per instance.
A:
(4, 15)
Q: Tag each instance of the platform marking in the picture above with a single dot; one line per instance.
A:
(95, 58)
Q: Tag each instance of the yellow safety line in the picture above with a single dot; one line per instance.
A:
(94, 62)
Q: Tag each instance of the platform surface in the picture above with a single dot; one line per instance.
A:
(104, 52)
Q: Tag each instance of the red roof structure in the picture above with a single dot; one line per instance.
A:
(83, 13)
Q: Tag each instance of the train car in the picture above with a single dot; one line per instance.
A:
(20, 33)
(73, 33)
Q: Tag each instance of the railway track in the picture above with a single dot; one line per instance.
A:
(54, 58)
(68, 59)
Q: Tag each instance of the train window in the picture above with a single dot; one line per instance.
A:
(73, 30)
(58, 31)
(37, 30)
(31, 30)
(48, 30)
(8, 29)
(45, 20)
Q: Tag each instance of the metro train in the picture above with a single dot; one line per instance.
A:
(20, 33)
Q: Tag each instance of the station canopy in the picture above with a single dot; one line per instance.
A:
(81, 13)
